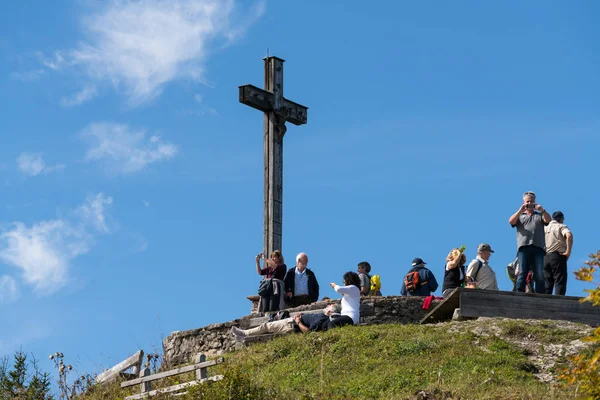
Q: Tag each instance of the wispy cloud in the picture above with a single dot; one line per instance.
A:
(28, 76)
(33, 164)
(140, 46)
(85, 94)
(93, 211)
(124, 149)
(8, 289)
(200, 110)
(45, 250)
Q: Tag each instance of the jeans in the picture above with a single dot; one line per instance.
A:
(531, 258)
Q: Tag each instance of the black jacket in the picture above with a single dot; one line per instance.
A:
(313, 285)
(452, 278)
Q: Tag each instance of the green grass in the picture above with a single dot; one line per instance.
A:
(385, 362)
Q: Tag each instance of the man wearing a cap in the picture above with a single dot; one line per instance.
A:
(559, 242)
(428, 283)
(529, 220)
(479, 269)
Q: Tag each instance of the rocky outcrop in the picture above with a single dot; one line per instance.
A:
(181, 346)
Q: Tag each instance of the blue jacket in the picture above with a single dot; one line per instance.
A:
(425, 275)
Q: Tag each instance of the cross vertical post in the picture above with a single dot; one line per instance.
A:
(273, 151)
(277, 111)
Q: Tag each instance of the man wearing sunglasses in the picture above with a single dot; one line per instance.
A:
(530, 220)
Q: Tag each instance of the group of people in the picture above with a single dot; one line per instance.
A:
(332, 316)
(544, 245)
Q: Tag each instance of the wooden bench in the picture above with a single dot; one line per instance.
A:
(145, 380)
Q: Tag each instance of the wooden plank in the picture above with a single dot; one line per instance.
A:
(112, 373)
(262, 100)
(173, 388)
(177, 371)
(528, 300)
(478, 310)
(518, 295)
(445, 309)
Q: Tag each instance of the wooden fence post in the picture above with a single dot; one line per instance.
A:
(201, 372)
(145, 386)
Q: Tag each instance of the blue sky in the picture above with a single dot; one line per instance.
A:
(132, 177)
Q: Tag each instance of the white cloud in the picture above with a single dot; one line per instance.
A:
(44, 251)
(139, 46)
(125, 150)
(85, 94)
(92, 211)
(33, 164)
(27, 76)
(8, 289)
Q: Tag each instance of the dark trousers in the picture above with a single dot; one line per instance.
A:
(531, 258)
(296, 301)
(339, 321)
(269, 303)
(555, 273)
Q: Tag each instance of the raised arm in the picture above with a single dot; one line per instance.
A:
(545, 216)
(515, 217)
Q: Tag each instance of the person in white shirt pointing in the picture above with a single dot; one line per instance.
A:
(350, 292)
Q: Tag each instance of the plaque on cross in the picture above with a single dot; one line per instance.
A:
(278, 110)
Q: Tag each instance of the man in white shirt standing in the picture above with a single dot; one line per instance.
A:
(479, 269)
(559, 242)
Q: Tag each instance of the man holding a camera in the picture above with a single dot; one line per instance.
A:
(530, 220)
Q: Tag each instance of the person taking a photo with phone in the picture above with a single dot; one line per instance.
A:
(530, 220)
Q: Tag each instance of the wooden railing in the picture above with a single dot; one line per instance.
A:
(134, 362)
(145, 380)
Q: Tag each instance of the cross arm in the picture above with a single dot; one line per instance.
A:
(262, 100)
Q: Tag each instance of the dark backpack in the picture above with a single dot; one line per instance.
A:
(279, 315)
(412, 281)
(265, 288)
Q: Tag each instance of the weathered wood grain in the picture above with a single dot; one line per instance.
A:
(173, 372)
(444, 310)
(173, 388)
(132, 361)
(278, 111)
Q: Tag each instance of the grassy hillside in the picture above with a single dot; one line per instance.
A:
(484, 359)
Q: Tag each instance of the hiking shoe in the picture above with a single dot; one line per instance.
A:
(237, 331)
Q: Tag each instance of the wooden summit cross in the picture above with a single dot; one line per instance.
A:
(278, 110)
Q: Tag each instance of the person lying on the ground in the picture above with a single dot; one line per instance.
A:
(298, 323)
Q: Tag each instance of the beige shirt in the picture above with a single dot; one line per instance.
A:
(556, 237)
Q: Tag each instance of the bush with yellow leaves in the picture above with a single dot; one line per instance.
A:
(585, 370)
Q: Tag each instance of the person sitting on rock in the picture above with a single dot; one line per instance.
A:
(363, 269)
(301, 322)
(274, 268)
(419, 281)
(301, 284)
(350, 313)
(454, 275)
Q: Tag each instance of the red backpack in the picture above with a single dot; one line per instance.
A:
(412, 281)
